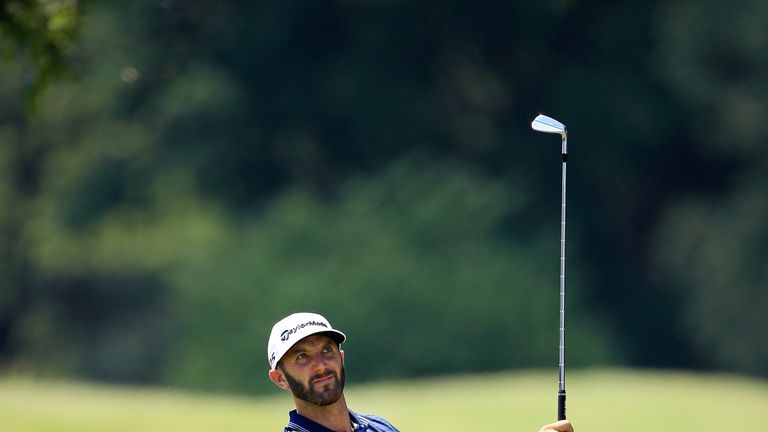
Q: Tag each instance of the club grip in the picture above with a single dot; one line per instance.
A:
(561, 405)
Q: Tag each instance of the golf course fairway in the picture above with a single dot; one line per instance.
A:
(600, 400)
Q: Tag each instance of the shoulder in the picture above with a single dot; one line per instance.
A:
(378, 424)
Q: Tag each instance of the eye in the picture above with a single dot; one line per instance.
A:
(327, 349)
(301, 356)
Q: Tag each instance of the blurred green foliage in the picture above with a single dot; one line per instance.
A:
(409, 261)
(42, 33)
(214, 166)
(710, 246)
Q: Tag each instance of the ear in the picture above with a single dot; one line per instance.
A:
(342, 356)
(277, 377)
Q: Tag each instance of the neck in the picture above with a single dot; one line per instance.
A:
(335, 416)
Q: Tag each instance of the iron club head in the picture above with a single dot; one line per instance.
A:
(547, 124)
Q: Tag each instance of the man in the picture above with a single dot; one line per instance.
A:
(305, 357)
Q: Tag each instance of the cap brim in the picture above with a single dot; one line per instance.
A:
(336, 335)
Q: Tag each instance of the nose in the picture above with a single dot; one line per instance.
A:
(319, 363)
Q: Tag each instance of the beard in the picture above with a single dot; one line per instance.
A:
(327, 395)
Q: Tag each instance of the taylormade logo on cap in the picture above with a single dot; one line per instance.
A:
(295, 327)
(286, 334)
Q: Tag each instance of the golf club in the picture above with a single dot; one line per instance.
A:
(546, 124)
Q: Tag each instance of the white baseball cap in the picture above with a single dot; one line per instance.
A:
(295, 327)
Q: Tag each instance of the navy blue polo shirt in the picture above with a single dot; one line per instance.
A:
(361, 423)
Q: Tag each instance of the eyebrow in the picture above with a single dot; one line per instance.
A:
(300, 348)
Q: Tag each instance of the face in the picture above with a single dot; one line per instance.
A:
(313, 370)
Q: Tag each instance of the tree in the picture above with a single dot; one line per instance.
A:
(710, 245)
(43, 33)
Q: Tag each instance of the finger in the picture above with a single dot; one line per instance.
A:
(561, 426)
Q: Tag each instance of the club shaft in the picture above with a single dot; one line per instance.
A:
(561, 347)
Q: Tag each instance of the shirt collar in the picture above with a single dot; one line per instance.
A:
(303, 424)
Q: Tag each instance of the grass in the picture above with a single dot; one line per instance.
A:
(600, 400)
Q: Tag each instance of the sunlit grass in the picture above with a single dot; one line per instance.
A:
(600, 400)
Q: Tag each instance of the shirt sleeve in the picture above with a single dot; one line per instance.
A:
(378, 424)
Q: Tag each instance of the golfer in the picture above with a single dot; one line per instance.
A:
(305, 358)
